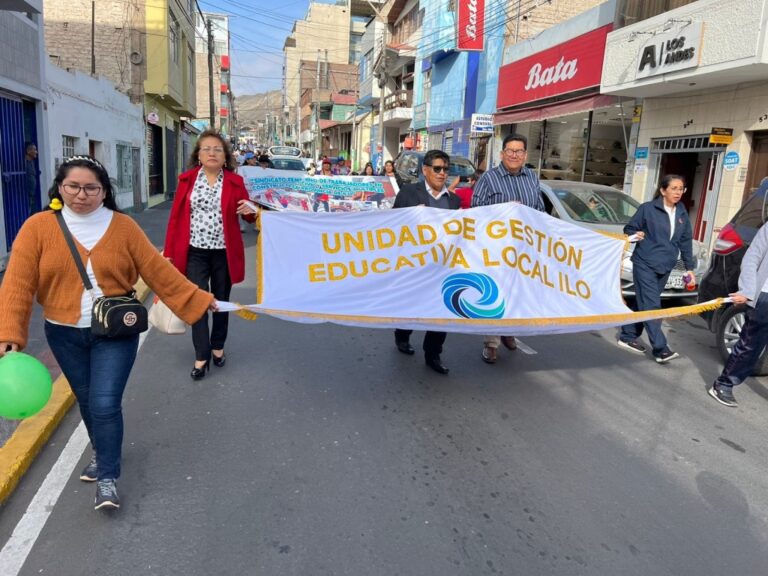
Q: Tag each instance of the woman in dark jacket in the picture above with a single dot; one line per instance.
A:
(664, 234)
(203, 238)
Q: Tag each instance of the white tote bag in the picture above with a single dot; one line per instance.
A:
(161, 317)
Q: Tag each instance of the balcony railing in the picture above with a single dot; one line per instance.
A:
(399, 99)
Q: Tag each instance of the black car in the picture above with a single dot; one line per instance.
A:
(722, 277)
(409, 162)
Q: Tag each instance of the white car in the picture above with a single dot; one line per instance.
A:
(603, 208)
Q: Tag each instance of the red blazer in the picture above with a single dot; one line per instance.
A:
(178, 233)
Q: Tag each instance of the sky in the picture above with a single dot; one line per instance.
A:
(258, 29)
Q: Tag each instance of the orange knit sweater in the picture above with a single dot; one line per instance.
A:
(42, 264)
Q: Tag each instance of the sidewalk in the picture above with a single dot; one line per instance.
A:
(21, 441)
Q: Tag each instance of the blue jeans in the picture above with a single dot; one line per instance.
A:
(752, 340)
(97, 370)
(648, 288)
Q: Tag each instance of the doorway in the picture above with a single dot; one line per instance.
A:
(758, 164)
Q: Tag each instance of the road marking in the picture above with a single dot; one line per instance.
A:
(17, 549)
(524, 347)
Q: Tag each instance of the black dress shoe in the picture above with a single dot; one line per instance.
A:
(199, 373)
(437, 365)
(219, 361)
(405, 348)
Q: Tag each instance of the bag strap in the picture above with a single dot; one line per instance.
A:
(75, 254)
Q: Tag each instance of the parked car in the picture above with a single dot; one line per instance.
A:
(409, 162)
(284, 151)
(603, 208)
(287, 163)
(722, 276)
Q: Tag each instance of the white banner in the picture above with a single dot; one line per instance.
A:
(503, 269)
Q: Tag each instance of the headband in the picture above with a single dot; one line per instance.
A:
(86, 159)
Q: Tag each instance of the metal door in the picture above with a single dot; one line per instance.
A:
(138, 204)
(712, 192)
(15, 201)
(170, 163)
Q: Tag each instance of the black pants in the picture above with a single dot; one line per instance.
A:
(433, 341)
(208, 269)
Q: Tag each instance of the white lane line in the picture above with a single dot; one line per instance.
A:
(17, 549)
(524, 347)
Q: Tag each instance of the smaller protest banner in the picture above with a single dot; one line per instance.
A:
(290, 190)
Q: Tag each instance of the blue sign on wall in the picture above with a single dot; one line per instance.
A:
(731, 160)
(641, 153)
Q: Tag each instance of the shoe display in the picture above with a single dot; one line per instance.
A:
(405, 348)
(106, 495)
(219, 361)
(489, 355)
(666, 356)
(509, 342)
(436, 364)
(723, 394)
(91, 472)
(632, 346)
(199, 373)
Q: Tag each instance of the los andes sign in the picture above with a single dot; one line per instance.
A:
(567, 67)
(470, 25)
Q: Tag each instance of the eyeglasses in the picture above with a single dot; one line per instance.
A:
(438, 169)
(677, 189)
(74, 189)
(209, 149)
(518, 152)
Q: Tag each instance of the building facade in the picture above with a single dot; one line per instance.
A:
(222, 92)
(22, 116)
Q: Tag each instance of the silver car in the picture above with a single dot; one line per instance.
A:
(603, 208)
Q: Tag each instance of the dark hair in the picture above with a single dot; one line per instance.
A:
(28, 145)
(514, 138)
(264, 159)
(390, 162)
(666, 181)
(433, 155)
(94, 166)
(229, 159)
(368, 165)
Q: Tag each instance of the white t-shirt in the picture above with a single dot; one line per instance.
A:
(671, 213)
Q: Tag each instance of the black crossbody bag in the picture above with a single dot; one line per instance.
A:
(112, 316)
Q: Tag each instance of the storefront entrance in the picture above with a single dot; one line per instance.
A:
(700, 163)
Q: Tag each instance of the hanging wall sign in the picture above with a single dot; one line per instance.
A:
(470, 25)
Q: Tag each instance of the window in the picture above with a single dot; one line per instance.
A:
(427, 85)
(354, 47)
(173, 37)
(124, 168)
(68, 146)
(365, 65)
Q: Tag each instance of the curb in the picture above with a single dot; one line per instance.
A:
(18, 453)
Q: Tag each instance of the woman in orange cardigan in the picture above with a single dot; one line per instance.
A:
(115, 252)
(203, 238)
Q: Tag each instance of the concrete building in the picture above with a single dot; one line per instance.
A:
(22, 115)
(88, 115)
(700, 71)
(222, 92)
(331, 32)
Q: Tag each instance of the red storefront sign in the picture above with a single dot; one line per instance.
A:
(470, 25)
(567, 67)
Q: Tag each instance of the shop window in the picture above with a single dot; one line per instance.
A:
(68, 144)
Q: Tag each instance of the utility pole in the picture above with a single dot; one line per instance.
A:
(93, 37)
(382, 92)
(317, 135)
(211, 96)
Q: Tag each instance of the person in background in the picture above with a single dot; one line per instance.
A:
(251, 159)
(433, 193)
(203, 237)
(265, 162)
(664, 233)
(510, 181)
(368, 170)
(312, 170)
(465, 192)
(325, 169)
(341, 168)
(30, 176)
(115, 252)
(753, 291)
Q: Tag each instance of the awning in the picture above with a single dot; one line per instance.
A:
(554, 110)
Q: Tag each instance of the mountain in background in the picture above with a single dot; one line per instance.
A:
(252, 109)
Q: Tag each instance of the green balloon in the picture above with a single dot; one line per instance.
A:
(25, 386)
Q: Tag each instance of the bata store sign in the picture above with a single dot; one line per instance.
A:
(470, 25)
(567, 67)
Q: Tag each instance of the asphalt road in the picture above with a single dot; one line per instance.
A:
(320, 450)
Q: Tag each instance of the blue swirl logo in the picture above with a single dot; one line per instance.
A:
(488, 306)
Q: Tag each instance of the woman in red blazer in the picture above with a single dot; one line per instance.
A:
(203, 238)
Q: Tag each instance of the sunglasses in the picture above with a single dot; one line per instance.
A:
(438, 169)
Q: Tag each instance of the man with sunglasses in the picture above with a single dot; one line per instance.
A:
(510, 181)
(433, 193)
